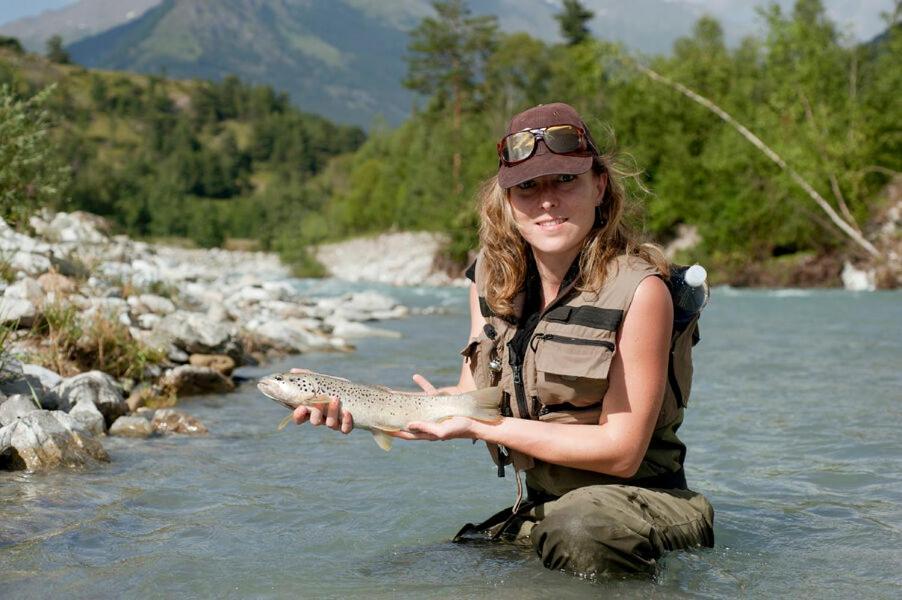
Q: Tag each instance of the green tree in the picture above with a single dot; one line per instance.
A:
(573, 20)
(55, 51)
(447, 55)
(31, 173)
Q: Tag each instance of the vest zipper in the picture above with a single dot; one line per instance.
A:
(519, 391)
(564, 339)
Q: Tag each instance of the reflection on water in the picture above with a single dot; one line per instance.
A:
(792, 434)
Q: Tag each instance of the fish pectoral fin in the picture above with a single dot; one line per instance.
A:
(284, 422)
(382, 439)
(391, 428)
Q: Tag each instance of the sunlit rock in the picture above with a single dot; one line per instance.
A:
(131, 426)
(47, 439)
(168, 420)
(96, 387)
(90, 418)
(16, 407)
(188, 380)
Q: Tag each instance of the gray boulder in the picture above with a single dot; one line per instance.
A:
(195, 333)
(290, 335)
(31, 387)
(47, 439)
(134, 426)
(151, 304)
(26, 289)
(48, 378)
(18, 311)
(16, 407)
(90, 418)
(96, 387)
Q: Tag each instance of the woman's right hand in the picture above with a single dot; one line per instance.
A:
(332, 415)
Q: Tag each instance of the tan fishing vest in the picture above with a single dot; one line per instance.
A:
(564, 376)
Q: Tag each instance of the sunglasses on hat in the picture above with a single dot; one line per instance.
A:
(559, 139)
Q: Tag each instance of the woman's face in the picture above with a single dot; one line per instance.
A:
(555, 213)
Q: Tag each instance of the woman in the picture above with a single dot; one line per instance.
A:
(571, 317)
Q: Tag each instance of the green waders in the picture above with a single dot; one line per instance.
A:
(604, 529)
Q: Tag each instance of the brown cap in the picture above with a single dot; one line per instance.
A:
(545, 162)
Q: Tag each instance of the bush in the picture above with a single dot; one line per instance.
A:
(31, 174)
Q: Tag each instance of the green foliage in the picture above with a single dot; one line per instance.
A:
(55, 51)
(573, 20)
(12, 44)
(827, 106)
(31, 174)
(209, 161)
(102, 342)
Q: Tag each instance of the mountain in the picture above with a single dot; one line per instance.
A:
(74, 22)
(343, 59)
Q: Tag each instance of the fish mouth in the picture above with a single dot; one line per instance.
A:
(265, 385)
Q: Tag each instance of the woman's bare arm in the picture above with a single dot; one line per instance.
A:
(618, 443)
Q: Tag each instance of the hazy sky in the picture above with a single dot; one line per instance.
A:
(861, 18)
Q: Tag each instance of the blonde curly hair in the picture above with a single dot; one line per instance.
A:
(505, 252)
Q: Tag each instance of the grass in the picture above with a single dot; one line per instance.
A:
(71, 344)
(7, 272)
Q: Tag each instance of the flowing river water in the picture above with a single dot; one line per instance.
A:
(793, 434)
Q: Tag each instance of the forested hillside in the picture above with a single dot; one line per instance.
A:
(215, 160)
(167, 158)
(829, 109)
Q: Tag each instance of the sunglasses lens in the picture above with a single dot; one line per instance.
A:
(564, 138)
(518, 146)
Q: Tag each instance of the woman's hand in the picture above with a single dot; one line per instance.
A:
(332, 415)
(448, 429)
(431, 390)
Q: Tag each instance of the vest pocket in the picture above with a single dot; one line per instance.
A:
(479, 354)
(571, 369)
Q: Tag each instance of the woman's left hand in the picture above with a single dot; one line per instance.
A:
(449, 429)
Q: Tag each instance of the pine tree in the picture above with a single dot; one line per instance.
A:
(573, 19)
(55, 51)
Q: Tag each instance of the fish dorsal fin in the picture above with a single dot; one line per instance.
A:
(388, 390)
(383, 439)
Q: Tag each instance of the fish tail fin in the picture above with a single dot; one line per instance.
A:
(487, 404)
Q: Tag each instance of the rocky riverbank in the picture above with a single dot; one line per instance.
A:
(98, 333)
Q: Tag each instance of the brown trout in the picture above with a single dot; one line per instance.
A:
(376, 408)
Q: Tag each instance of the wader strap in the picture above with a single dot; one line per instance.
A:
(500, 520)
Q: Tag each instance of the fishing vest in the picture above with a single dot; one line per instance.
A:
(563, 376)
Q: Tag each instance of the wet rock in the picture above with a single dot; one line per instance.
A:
(90, 418)
(16, 407)
(96, 387)
(133, 426)
(218, 362)
(188, 380)
(290, 335)
(168, 420)
(46, 439)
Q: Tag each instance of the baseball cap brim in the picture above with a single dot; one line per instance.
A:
(543, 162)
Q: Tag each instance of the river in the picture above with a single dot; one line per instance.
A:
(793, 434)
